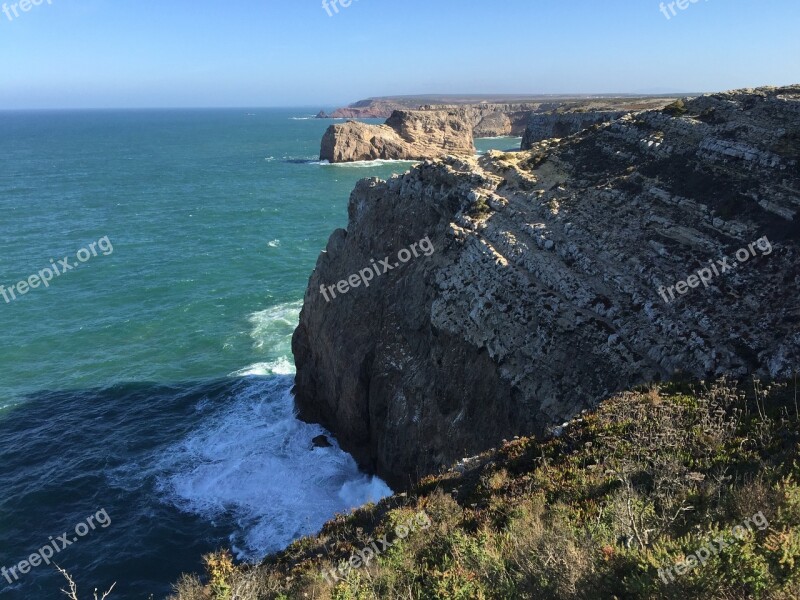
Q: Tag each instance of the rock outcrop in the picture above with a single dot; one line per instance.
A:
(407, 135)
(548, 287)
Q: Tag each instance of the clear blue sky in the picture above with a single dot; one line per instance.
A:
(183, 53)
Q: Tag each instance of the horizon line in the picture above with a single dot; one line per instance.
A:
(337, 105)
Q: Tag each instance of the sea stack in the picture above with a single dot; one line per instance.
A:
(406, 135)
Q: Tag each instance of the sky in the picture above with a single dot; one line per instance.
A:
(262, 53)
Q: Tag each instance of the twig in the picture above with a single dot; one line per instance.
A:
(105, 594)
(73, 589)
(72, 594)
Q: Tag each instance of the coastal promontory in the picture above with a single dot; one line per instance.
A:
(658, 245)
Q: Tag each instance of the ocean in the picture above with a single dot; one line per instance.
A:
(146, 366)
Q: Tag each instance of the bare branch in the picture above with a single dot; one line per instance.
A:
(72, 594)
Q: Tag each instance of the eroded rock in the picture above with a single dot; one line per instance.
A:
(407, 135)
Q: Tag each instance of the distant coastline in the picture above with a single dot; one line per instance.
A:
(383, 106)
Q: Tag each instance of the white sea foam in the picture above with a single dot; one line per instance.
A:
(274, 243)
(250, 463)
(282, 366)
(253, 465)
(371, 163)
(308, 159)
(273, 328)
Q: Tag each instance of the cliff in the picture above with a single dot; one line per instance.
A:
(407, 135)
(560, 275)
(492, 118)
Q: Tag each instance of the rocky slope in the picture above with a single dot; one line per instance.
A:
(546, 290)
(407, 135)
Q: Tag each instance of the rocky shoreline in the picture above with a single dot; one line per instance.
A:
(542, 297)
(434, 131)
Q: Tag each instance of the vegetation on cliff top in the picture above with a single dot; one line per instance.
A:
(640, 484)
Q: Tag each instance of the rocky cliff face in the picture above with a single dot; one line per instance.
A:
(494, 120)
(407, 135)
(555, 280)
(544, 126)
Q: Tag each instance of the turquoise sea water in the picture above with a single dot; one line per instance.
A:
(506, 144)
(153, 380)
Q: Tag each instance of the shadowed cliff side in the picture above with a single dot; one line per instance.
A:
(546, 291)
(544, 126)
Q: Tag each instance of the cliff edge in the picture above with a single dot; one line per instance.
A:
(664, 242)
